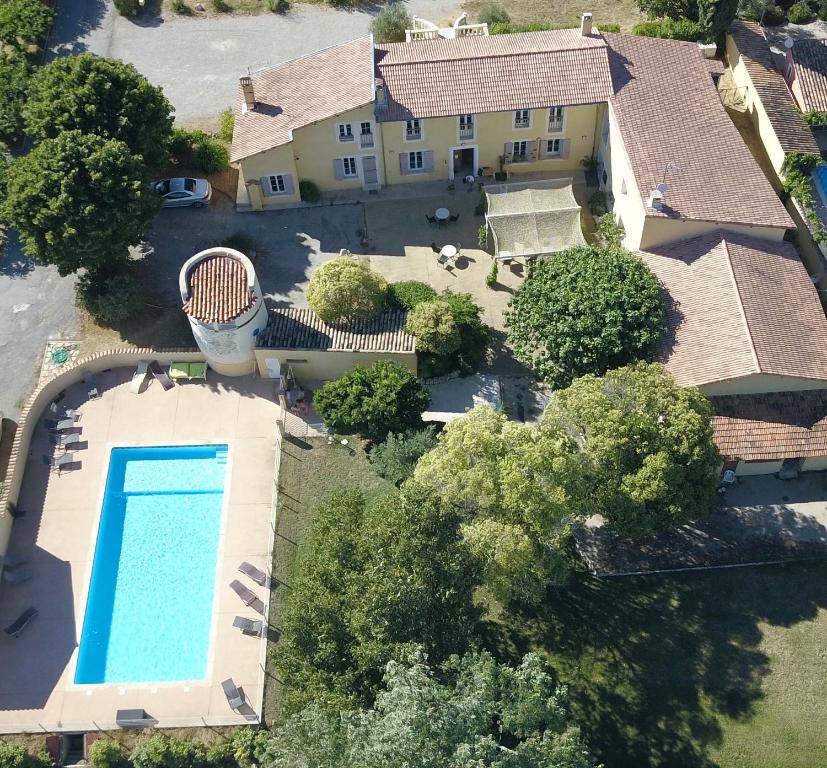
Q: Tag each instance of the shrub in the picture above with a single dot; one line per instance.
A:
(406, 294)
(278, 6)
(14, 84)
(107, 753)
(159, 751)
(109, 299)
(587, 310)
(482, 235)
(474, 338)
(181, 141)
(16, 756)
(493, 13)
(126, 7)
(491, 277)
(226, 124)
(211, 156)
(609, 27)
(434, 327)
(389, 25)
(373, 401)
(309, 191)
(669, 9)
(800, 13)
(395, 458)
(219, 6)
(345, 289)
(248, 745)
(180, 7)
(610, 231)
(684, 29)
(24, 25)
(597, 204)
(774, 15)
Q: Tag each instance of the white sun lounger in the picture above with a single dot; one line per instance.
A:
(258, 576)
(247, 595)
(66, 439)
(139, 377)
(59, 463)
(253, 627)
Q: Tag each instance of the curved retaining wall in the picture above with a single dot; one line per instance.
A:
(46, 392)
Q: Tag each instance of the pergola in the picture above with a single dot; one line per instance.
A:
(532, 219)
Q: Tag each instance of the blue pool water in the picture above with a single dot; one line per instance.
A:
(149, 608)
(820, 174)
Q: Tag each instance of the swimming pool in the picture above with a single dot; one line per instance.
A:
(149, 607)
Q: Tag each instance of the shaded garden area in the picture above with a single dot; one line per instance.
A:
(723, 668)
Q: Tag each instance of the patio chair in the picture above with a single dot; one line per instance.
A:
(139, 377)
(434, 247)
(59, 463)
(92, 391)
(248, 597)
(431, 219)
(66, 439)
(235, 698)
(254, 628)
(64, 413)
(187, 371)
(258, 576)
(12, 561)
(16, 577)
(453, 218)
(21, 622)
(161, 377)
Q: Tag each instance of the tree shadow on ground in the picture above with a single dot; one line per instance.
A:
(653, 663)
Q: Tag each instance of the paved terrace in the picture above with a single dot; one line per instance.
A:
(57, 535)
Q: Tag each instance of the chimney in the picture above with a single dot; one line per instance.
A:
(249, 94)
(586, 25)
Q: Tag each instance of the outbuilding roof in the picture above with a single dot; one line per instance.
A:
(492, 73)
(302, 92)
(772, 426)
(676, 131)
(794, 135)
(810, 61)
(739, 306)
(219, 290)
(302, 329)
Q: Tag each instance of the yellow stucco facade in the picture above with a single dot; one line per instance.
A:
(336, 155)
(326, 365)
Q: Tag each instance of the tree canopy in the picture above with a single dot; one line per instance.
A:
(24, 24)
(389, 25)
(649, 443)
(373, 582)
(434, 327)
(344, 289)
(78, 201)
(14, 82)
(468, 712)
(102, 96)
(373, 401)
(585, 311)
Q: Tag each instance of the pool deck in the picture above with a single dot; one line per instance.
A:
(57, 536)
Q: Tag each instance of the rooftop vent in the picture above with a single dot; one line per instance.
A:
(249, 93)
(586, 24)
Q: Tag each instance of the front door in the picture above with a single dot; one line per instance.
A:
(463, 162)
(369, 172)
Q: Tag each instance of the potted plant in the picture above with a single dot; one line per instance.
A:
(491, 277)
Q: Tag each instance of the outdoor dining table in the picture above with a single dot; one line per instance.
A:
(442, 214)
(448, 251)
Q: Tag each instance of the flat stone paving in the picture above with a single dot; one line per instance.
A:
(58, 532)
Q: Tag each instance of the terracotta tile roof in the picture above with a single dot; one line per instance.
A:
(438, 78)
(219, 290)
(793, 133)
(302, 92)
(294, 328)
(810, 61)
(730, 314)
(768, 427)
(668, 111)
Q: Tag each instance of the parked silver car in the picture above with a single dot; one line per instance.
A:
(180, 192)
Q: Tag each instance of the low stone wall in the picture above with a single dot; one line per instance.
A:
(46, 392)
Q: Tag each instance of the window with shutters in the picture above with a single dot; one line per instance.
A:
(366, 135)
(553, 148)
(415, 161)
(522, 118)
(349, 164)
(277, 184)
(345, 132)
(413, 130)
(520, 152)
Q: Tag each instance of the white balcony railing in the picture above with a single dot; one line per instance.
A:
(366, 140)
(555, 126)
(466, 132)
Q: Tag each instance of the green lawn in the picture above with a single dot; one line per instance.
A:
(310, 471)
(725, 668)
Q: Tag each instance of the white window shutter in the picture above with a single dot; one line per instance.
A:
(404, 167)
(265, 186)
(508, 151)
(564, 148)
(428, 161)
(288, 184)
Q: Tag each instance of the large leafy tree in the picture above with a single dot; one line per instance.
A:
(469, 712)
(585, 311)
(78, 201)
(14, 82)
(653, 462)
(670, 9)
(345, 289)
(23, 24)
(373, 401)
(715, 16)
(102, 96)
(374, 582)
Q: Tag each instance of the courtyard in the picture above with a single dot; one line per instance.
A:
(56, 531)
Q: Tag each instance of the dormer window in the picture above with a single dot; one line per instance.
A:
(522, 118)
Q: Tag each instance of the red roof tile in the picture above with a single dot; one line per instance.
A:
(730, 313)
(219, 290)
(668, 111)
(773, 426)
(810, 61)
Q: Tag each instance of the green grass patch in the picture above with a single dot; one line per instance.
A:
(724, 668)
(310, 471)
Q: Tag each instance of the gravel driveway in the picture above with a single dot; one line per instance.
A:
(197, 61)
